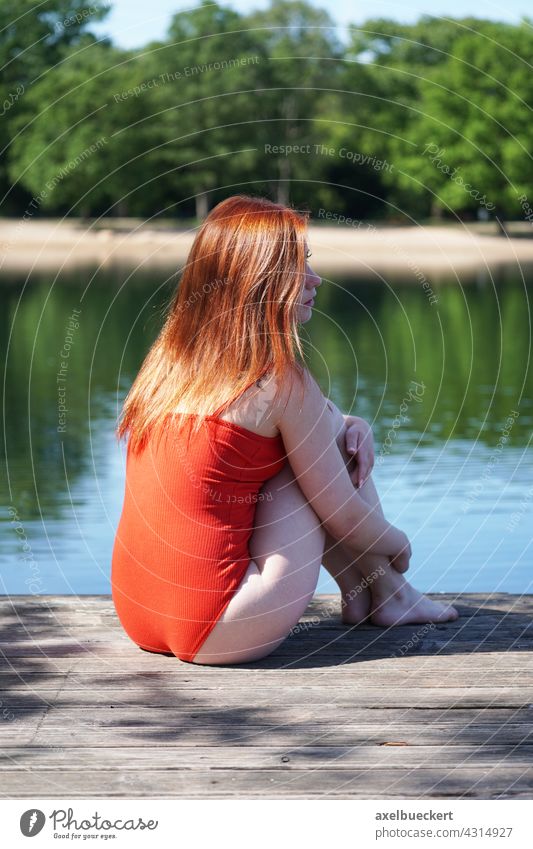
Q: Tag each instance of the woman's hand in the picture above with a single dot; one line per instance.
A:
(359, 443)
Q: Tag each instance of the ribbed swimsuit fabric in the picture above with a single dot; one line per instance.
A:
(181, 545)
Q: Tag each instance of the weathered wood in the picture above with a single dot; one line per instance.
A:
(262, 757)
(273, 715)
(501, 782)
(148, 695)
(174, 680)
(133, 662)
(410, 712)
(215, 735)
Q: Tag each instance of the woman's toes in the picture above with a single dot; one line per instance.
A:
(452, 613)
(415, 608)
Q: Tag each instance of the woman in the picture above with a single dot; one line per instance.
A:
(228, 514)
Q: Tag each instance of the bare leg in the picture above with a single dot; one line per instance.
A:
(370, 587)
(356, 598)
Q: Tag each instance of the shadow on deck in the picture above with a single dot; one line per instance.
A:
(419, 711)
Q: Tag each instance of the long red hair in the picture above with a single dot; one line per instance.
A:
(233, 316)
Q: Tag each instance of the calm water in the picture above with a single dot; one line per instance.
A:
(448, 388)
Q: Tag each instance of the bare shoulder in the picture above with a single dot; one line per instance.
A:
(299, 395)
(274, 404)
(256, 408)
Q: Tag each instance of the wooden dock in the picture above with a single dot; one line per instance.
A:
(414, 712)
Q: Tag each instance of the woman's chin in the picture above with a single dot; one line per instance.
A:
(304, 313)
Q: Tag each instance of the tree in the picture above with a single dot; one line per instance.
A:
(34, 38)
(69, 150)
(463, 139)
(207, 70)
(303, 66)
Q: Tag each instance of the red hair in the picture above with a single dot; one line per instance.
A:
(233, 316)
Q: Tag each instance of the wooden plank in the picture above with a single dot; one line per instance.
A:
(304, 735)
(432, 783)
(385, 697)
(482, 663)
(272, 715)
(128, 732)
(175, 680)
(302, 655)
(265, 757)
(510, 735)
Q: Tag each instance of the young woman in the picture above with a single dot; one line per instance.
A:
(239, 479)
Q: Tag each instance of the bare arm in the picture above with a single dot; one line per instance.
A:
(310, 438)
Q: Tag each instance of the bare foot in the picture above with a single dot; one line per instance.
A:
(355, 607)
(408, 606)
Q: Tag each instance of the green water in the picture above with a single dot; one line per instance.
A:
(447, 385)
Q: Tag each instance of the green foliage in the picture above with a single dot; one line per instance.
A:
(467, 97)
(34, 40)
(392, 123)
(207, 73)
(34, 36)
(69, 149)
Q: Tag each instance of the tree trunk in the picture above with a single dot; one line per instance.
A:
(436, 209)
(290, 133)
(202, 205)
(500, 222)
(283, 185)
(121, 209)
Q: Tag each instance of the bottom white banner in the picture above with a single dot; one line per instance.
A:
(264, 823)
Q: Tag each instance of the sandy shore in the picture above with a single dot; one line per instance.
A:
(52, 245)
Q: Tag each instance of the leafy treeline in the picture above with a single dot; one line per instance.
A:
(394, 121)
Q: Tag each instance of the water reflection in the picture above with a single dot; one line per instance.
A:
(447, 386)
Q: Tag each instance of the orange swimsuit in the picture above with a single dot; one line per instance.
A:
(181, 547)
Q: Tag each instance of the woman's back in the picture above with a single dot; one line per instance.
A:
(181, 548)
(254, 409)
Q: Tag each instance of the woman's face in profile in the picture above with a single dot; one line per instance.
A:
(311, 283)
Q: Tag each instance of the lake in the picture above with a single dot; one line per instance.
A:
(446, 383)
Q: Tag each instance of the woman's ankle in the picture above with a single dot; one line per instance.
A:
(390, 585)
